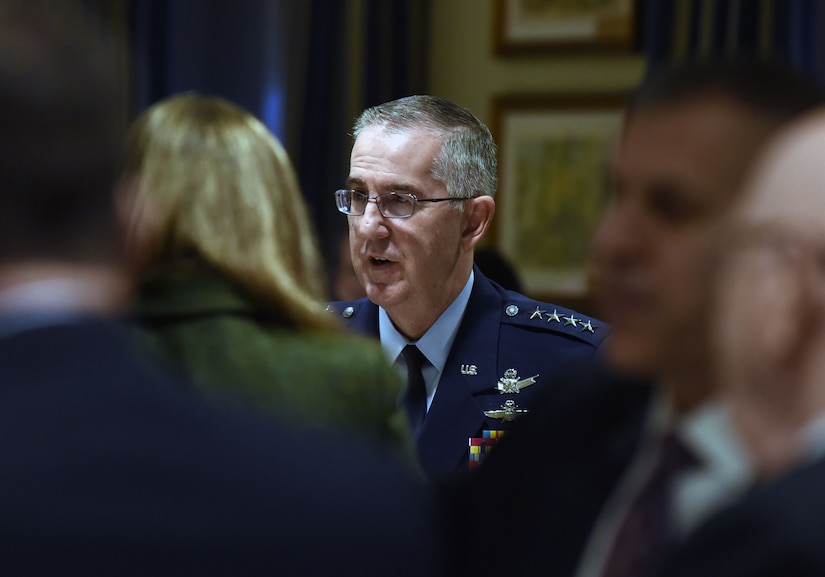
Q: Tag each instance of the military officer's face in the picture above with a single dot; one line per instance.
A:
(674, 176)
(412, 267)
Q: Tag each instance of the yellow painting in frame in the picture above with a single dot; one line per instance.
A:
(553, 158)
(536, 26)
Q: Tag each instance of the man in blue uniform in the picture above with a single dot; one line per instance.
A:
(419, 198)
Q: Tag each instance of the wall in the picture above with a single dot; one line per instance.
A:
(464, 69)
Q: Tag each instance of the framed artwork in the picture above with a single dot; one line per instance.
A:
(551, 26)
(554, 152)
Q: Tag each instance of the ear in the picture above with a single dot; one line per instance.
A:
(478, 214)
(797, 308)
(781, 335)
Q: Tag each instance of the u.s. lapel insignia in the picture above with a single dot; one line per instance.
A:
(471, 370)
(510, 382)
(508, 411)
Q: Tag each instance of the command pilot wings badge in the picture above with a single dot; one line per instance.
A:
(510, 382)
(508, 411)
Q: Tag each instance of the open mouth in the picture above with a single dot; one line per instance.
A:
(379, 261)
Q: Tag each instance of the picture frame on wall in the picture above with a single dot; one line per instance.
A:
(525, 27)
(553, 154)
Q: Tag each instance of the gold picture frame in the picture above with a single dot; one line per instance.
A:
(527, 27)
(554, 151)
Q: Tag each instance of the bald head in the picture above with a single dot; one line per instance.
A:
(787, 186)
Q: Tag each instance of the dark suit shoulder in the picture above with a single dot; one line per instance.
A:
(520, 311)
(773, 531)
(115, 470)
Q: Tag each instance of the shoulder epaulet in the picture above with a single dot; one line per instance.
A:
(537, 315)
(345, 309)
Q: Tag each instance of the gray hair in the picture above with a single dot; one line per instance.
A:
(466, 163)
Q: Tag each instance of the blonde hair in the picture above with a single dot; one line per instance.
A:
(221, 190)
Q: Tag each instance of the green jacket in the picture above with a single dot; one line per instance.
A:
(200, 323)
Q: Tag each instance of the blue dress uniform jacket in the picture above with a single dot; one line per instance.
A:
(500, 330)
(552, 475)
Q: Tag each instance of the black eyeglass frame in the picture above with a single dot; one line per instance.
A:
(342, 193)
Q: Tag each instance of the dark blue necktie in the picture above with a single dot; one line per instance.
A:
(414, 399)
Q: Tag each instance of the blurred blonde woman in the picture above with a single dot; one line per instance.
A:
(232, 286)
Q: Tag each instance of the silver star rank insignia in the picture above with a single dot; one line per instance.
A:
(588, 326)
(571, 320)
(537, 313)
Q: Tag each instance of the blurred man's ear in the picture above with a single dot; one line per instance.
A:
(771, 329)
(795, 302)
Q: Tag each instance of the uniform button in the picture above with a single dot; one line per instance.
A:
(511, 310)
(348, 312)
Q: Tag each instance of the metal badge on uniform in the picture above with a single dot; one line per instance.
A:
(589, 327)
(471, 370)
(510, 382)
(481, 446)
(571, 320)
(508, 411)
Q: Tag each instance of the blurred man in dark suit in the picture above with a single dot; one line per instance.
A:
(110, 468)
(612, 467)
(770, 335)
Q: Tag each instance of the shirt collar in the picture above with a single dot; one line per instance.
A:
(725, 471)
(437, 341)
(45, 303)
(707, 430)
(812, 439)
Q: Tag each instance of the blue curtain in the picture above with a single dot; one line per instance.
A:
(305, 67)
(210, 46)
(790, 31)
(361, 53)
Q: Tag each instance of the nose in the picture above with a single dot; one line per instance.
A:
(619, 236)
(372, 224)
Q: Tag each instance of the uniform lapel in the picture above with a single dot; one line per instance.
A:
(472, 367)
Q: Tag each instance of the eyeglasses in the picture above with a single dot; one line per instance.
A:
(390, 205)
